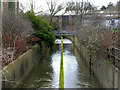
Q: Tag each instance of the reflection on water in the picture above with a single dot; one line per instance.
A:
(65, 41)
(70, 69)
(46, 73)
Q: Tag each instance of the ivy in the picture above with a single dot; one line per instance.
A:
(42, 29)
(11, 6)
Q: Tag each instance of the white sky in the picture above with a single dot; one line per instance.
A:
(102, 2)
(43, 4)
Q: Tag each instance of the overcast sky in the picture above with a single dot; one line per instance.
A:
(43, 5)
(102, 2)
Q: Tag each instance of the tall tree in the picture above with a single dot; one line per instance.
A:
(54, 8)
(11, 6)
(103, 8)
(32, 5)
(28, 6)
(118, 10)
(110, 5)
(79, 9)
(1, 6)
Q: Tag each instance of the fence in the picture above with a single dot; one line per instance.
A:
(115, 56)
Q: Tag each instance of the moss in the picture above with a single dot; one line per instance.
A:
(61, 77)
(17, 70)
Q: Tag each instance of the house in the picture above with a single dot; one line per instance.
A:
(74, 15)
(66, 22)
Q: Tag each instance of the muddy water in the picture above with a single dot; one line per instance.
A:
(46, 73)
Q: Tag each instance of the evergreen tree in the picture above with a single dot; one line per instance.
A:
(103, 8)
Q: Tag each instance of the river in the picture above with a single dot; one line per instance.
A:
(46, 73)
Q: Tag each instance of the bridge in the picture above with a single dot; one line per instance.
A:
(64, 32)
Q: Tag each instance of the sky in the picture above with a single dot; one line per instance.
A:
(102, 2)
(41, 4)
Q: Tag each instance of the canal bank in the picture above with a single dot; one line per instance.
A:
(40, 68)
(46, 73)
(16, 72)
(103, 69)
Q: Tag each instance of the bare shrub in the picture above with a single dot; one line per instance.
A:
(15, 31)
(95, 36)
(98, 41)
(15, 25)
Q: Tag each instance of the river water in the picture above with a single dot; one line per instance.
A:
(46, 73)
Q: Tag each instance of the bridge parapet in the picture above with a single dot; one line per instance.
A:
(64, 32)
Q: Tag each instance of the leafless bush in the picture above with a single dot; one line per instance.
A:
(15, 31)
(96, 20)
(98, 41)
(95, 36)
(15, 24)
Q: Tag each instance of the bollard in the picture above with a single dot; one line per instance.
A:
(61, 77)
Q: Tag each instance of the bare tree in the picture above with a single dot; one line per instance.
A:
(15, 31)
(1, 7)
(28, 6)
(54, 8)
(111, 10)
(80, 11)
(118, 10)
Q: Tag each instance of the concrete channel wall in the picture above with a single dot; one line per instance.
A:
(17, 71)
(103, 69)
(106, 73)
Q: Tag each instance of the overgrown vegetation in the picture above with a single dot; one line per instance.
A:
(17, 28)
(91, 28)
(98, 41)
(42, 28)
(93, 33)
(15, 31)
